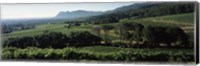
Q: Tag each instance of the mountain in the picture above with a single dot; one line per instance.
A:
(76, 14)
(82, 14)
(142, 10)
(134, 6)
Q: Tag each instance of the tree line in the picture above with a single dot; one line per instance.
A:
(14, 27)
(54, 40)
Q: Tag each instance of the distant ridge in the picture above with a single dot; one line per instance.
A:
(77, 14)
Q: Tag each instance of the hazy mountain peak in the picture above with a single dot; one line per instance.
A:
(77, 14)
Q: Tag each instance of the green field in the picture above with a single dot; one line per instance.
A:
(43, 27)
(182, 20)
(179, 18)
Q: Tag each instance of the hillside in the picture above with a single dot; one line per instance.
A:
(151, 10)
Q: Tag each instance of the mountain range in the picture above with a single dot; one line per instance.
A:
(77, 14)
(84, 13)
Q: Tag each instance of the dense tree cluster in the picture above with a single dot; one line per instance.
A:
(6, 29)
(172, 36)
(83, 38)
(157, 9)
(106, 29)
(152, 36)
(74, 23)
(14, 27)
(130, 31)
(53, 40)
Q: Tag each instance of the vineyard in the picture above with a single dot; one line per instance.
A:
(155, 32)
(78, 54)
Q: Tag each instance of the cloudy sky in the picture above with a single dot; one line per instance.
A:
(9, 11)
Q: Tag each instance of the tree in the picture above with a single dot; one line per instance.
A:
(154, 35)
(97, 29)
(130, 31)
(106, 29)
(83, 38)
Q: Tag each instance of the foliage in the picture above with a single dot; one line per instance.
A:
(106, 29)
(54, 40)
(126, 55)
(83, 38)
(130, 31)
(154, 35)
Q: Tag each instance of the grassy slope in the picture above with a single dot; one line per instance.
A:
(181, 20)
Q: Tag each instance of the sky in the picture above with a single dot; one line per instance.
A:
(13, 11)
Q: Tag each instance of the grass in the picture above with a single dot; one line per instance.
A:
(184, 18)
(179, 20)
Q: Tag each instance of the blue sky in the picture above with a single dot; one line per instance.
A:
(9, 11)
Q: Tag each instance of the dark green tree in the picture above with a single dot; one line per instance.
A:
(106, 29)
